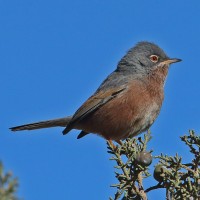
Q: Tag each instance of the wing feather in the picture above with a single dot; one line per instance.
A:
(92, 104)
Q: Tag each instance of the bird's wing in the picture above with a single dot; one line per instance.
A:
(92, 104)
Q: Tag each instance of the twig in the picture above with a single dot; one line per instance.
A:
(154, 187)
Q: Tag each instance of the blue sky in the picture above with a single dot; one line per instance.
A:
(54, 54)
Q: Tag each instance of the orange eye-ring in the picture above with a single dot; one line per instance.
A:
(154, 58)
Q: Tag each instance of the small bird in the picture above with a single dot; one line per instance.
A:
(126, 103)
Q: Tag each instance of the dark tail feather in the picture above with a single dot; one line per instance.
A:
(43, 124)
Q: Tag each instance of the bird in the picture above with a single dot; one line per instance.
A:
(126, 103)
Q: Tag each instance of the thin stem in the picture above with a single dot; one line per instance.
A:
(187, 168)
(154, 187)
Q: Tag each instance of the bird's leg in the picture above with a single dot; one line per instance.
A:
(119, 142)
(111, 144)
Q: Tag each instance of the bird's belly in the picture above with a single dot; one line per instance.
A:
(122, 117)
(148, 116)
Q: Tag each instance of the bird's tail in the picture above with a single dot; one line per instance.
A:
(43, 124)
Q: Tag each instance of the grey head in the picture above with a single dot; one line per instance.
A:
(144, 57)
(137, 63)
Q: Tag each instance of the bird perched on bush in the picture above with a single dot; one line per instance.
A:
(126, 103)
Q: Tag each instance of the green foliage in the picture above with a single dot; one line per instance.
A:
(8, 185)
(181, 180)
(130, 173)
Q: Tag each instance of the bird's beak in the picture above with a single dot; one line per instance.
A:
(171, 60)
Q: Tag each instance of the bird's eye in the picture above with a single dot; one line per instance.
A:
(154, 58)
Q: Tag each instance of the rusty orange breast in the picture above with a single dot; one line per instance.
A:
(128, 114)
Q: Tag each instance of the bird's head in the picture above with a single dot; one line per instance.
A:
(145, 57)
